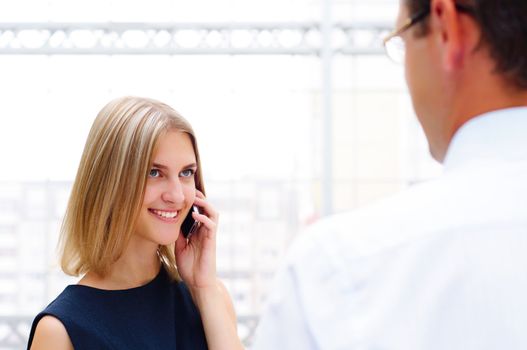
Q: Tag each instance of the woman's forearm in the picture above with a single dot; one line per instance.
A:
(218, 316)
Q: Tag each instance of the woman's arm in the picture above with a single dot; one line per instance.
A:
(196, 262)
(51, 334)
(218, 316)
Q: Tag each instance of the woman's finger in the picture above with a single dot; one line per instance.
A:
(205, 220)
(206, 208)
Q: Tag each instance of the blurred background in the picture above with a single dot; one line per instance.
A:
(297, 111)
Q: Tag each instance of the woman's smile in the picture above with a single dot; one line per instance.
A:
(165, 215)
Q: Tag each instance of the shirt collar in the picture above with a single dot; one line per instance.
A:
(497, 135)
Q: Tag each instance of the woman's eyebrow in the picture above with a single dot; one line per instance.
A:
(161, 166)
(192, 165)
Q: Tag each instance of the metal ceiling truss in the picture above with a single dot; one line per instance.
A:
(190, 38)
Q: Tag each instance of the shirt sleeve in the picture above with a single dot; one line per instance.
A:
(307, 300)
(283, 324)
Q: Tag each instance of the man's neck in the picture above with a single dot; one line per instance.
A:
(482, 94)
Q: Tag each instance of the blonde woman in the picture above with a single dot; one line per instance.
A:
(144, 285)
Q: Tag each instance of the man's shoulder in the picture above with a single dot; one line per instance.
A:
(380, 225)
(461, 199)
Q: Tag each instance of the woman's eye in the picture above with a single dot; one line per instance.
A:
(187, 173)
(154, 173)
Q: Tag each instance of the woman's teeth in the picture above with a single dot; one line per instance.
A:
(165, 214)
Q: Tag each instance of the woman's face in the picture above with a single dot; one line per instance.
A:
(170, 189)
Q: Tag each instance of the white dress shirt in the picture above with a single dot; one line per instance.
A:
(442, 265)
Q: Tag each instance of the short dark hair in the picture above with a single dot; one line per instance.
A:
(503, 25)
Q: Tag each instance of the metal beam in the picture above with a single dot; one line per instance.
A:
(295, 38)
(326, 58)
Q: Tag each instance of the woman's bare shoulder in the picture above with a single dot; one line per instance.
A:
(51, 334)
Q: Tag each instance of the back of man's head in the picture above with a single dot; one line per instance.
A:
(503, 25)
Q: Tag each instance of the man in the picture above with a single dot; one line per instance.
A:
(442, 265)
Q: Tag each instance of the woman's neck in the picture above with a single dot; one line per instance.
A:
(138, 265)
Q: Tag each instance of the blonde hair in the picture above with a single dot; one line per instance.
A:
(109, 187)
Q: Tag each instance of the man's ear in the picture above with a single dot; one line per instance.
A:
(447, 28)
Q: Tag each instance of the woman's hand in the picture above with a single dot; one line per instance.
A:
(196, 262)
(196, 257)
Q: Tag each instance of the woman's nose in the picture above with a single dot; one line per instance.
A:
(173, 193)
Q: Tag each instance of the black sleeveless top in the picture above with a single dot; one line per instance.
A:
(159, 315)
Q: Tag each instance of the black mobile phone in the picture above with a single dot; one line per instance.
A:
(189, 225)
